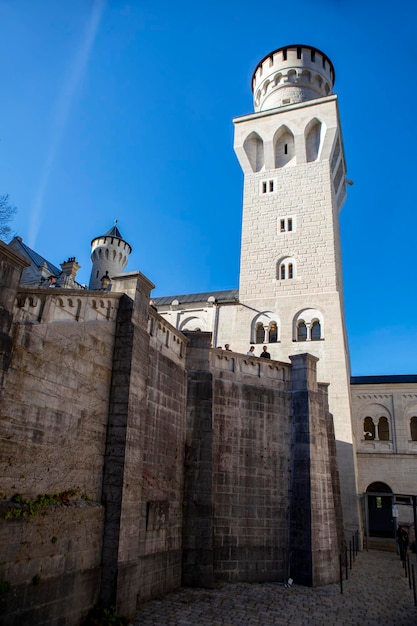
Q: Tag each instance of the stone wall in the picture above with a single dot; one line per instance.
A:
(92, 403)
(53, 421)
(52, 563)
(261, 493)
(169, 461)
(144, 463)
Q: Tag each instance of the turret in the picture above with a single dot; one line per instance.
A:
(109, 255)
(291, 74)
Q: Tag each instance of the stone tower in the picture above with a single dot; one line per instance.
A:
(291, 286)
(109, 255)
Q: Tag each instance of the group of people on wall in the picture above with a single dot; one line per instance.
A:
(251, 352)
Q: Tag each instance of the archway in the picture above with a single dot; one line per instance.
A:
(379, 502)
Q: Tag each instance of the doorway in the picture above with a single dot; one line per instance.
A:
(380, 519)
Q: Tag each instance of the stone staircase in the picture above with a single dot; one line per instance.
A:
(381, 543)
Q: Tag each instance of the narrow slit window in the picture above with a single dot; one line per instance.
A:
(271, 185)
(264, 188)
(282, 226)
(313, 55)
(282, 272)
(298, 53)
(290, 270)
(413, 428)
(289, 224)
(286, 148)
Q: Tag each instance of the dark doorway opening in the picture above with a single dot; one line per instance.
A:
(380, 518)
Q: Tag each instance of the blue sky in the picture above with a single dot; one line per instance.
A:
(123, 110)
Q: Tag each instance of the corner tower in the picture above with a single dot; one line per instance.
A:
(291, 287)
(109, 254)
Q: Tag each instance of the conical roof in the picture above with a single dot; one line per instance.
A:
(114, 232)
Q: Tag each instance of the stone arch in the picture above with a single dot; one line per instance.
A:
(266, 85)
(313, 320)
(313, 135)
(277, 79)
(292, 76)
(286, 268)
(370, 416)
(284, 147)
(410, 414)
(193, 323)
(262, 325)
(305, 76)
(378, 487)
(254, 149)
(383, 429)
(368, 428)
(315, 330)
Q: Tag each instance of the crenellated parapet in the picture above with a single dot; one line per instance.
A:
(166, 338)
(257, 371)
(48, 306)
(291, 74)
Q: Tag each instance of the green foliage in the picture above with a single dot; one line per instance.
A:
(100, 616)
(4, 586)
(36, 579)
(29, 508)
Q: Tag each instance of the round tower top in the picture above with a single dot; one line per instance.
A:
(113, 233)
(291, 74)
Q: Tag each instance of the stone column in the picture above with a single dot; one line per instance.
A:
(315, 509)
(198, 496)
(123, 456)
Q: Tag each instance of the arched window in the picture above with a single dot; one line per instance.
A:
(284, 147)
(273, 333)
(368, 429)
(315, 331)
(259, 333)
(254, 148)
(312, 138)
(383, 429)
(286, 268)
(413, 428)
(301, 331)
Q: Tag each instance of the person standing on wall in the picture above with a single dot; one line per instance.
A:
(265, 354)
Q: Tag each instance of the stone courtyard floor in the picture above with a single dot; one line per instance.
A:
(377, 592)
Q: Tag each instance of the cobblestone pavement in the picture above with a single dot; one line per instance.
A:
(377, 592)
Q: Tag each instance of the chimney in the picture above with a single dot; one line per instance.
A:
(70, 267)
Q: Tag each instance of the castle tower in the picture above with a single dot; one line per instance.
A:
(109, 255)
(291, 287)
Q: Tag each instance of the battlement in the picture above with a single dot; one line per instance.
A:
(47, 306)
(166, 338)
(291, 74)
(256, 370)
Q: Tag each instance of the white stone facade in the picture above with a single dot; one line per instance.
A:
(385, 426)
